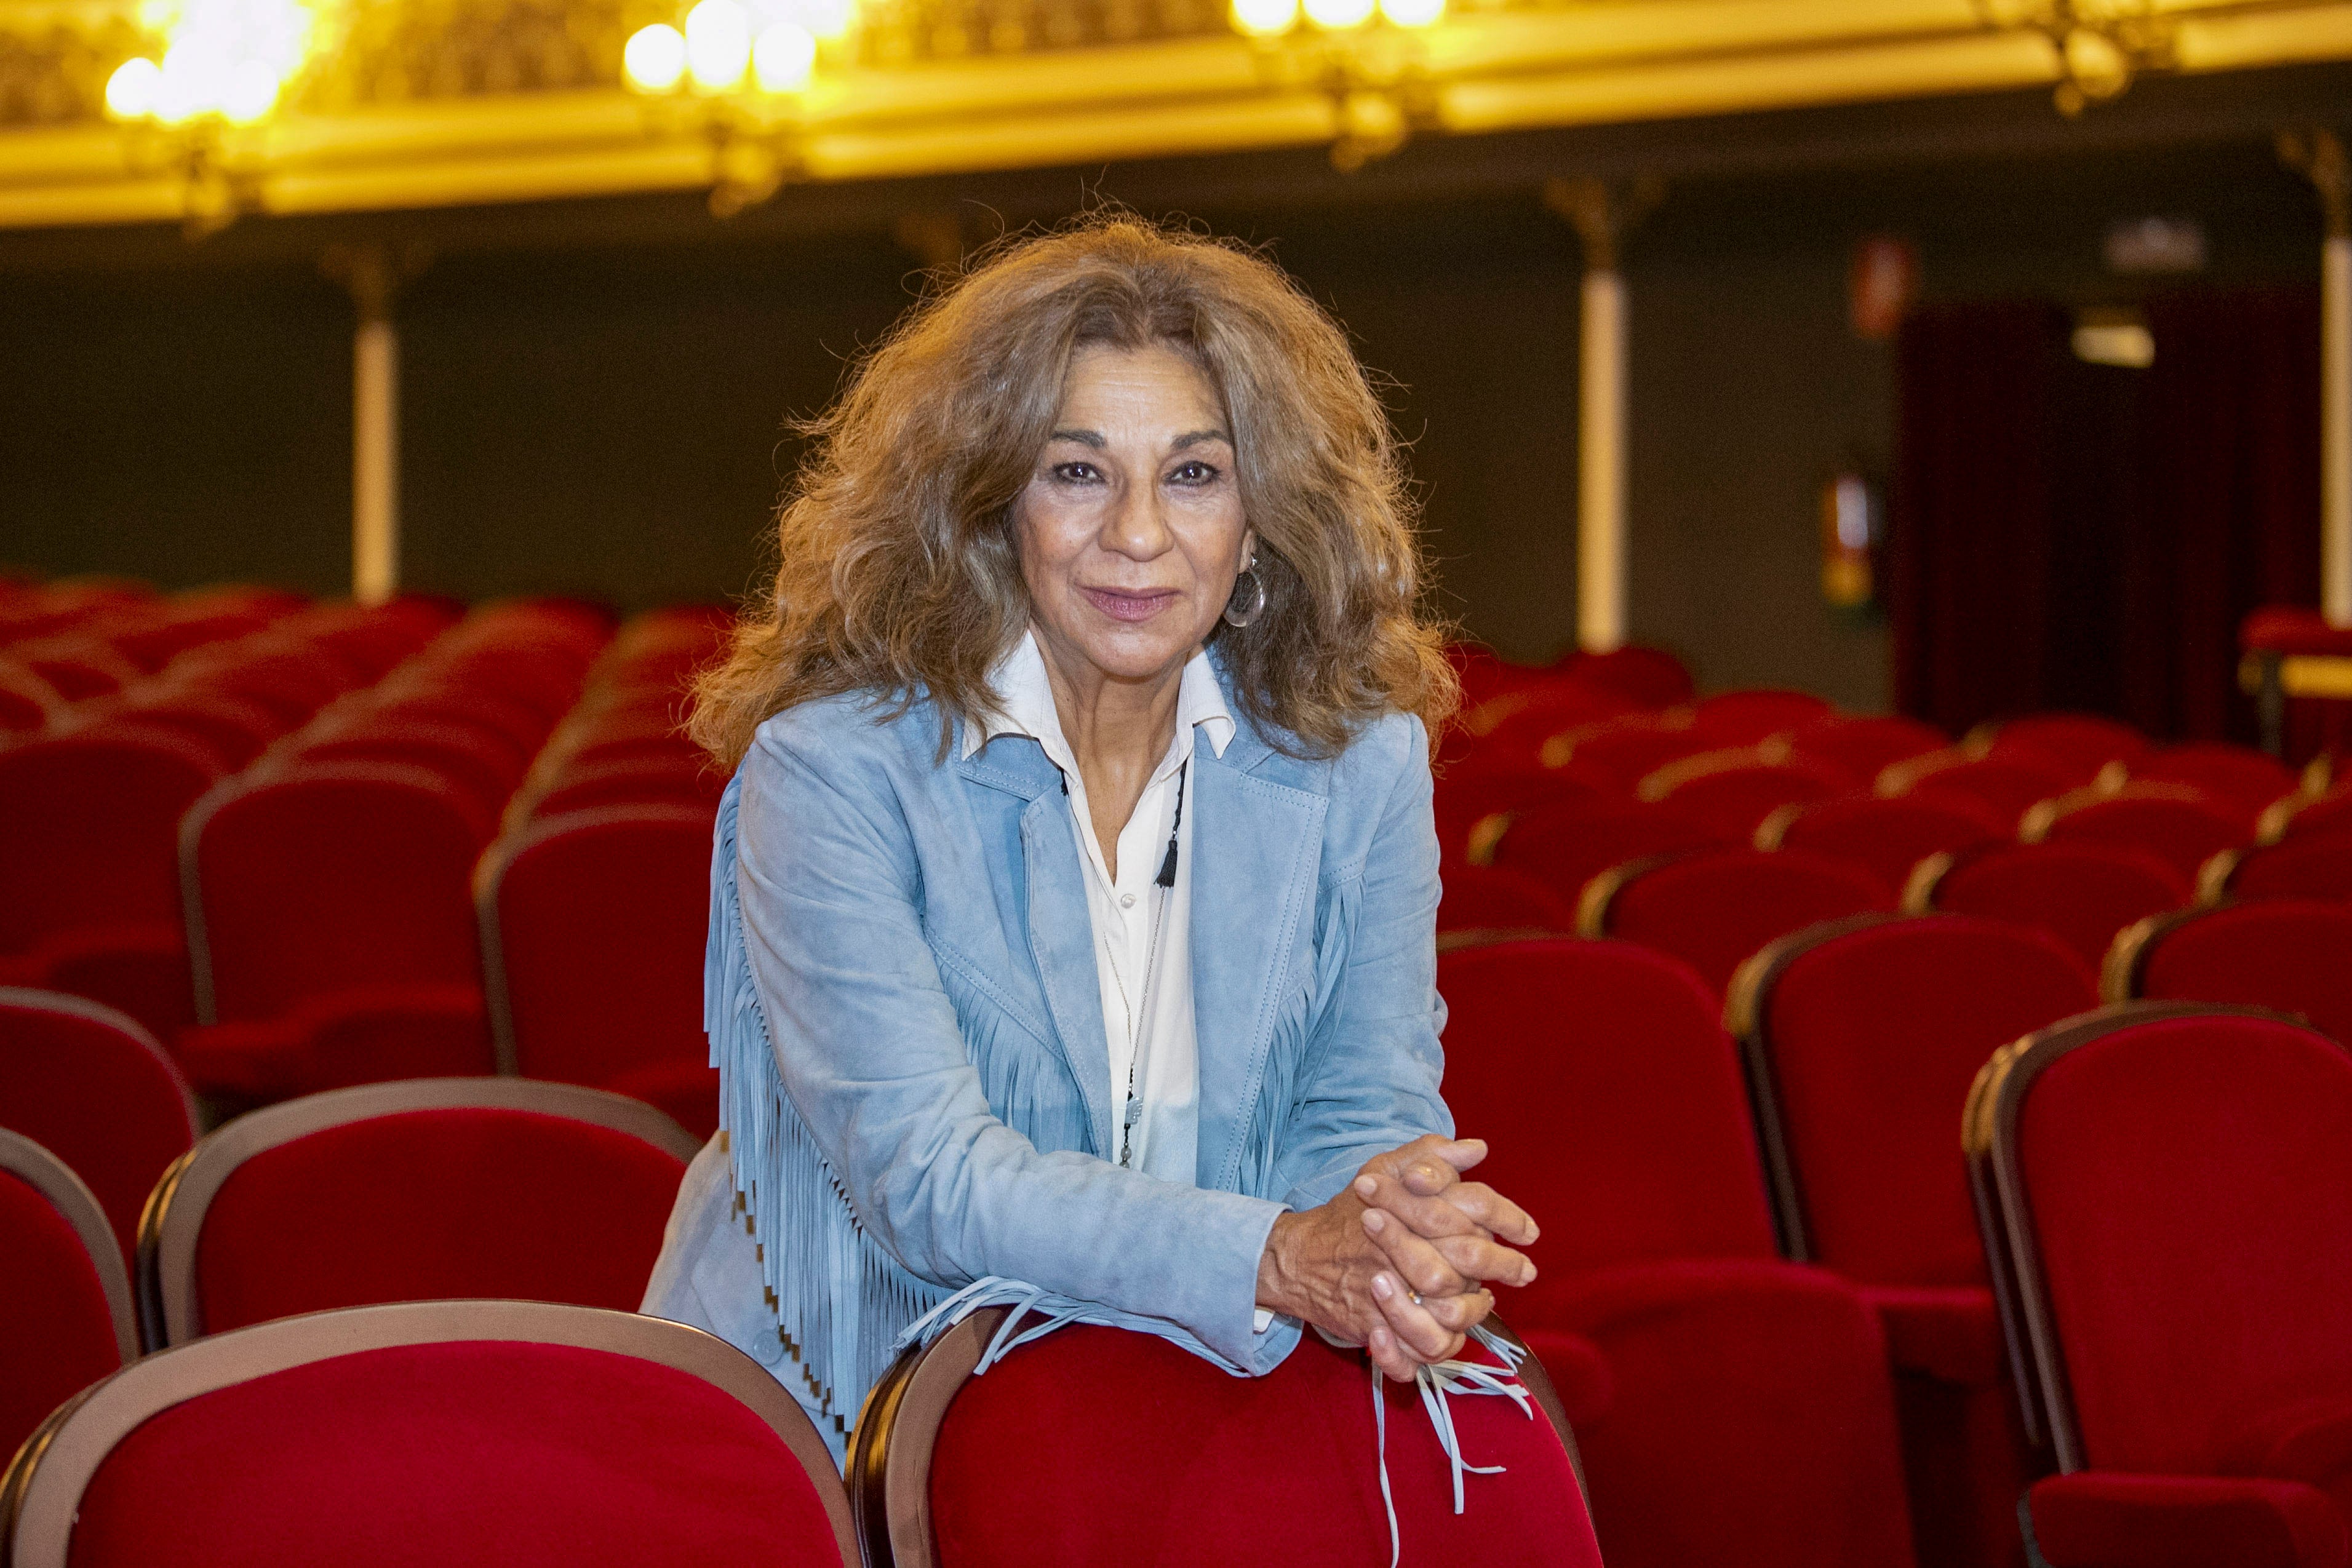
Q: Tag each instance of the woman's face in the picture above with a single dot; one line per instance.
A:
(1130, 528)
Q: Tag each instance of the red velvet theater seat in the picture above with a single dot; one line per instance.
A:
(485, 766)
(87, 875)
(2079, 745)
(2007, 786)
(411, 1191)
(1734, 792)
(1745, 717)
(1713, 907)
(464, 1434)
(1745, 1409)
(64, 1298)
(1475, 801)
(1629, 749)
(2173, 1184)
(1650, 677)
(2081, 894)
(1512, 728)
(650, 781)
(2178, 823)
(94, 1089)
(2310, 865)
(2250, 780)
(1488, 898)
(593, 933)
(2299, 815)
(333, 895)
(2291, 956)
(1865, 746)
(1887, 836)
(1565, 844)
(1861, 1039)
(1095, 1445)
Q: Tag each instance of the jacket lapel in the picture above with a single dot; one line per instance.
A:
(1061, 934)
(1257, 846)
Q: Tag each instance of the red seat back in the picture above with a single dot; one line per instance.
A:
(2077, 744)
(2297, 817)
(1745, 717)
(476, 1435)
(2182, 1187)
(2178, 825)
(1869, 1038)
(235, 728)
(1713, 908)
(598, 919)
(1611, 1098)
(2082, 893)
(1630, 748)
(1886, 835)
(2309, 865)
(2006, 786)
(1094, 1445)
(1734, 797)
(1567, 843)
(486, 767)
(330, 876)
(107, 801)
(94, 1089)
(1475, 803)
(63, 1294)
(2291, 956)
(450, 1201)
(2247, 779)
(1488, 898)
(1651, 676)
(648, 781)
(1865, 746)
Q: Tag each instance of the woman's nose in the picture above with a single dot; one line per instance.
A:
(1134, 527)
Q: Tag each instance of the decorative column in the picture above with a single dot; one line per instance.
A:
(2320, 156)
(1602, 218)
(373, 279)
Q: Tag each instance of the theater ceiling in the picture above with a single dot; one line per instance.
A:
(116, 111)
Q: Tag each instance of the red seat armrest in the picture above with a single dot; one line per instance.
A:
(2106, 1518)
(1950, 1332)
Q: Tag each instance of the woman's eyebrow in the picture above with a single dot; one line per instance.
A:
(1196, 437)
(1093, 438)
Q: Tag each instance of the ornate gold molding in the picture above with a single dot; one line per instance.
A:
(446, 103)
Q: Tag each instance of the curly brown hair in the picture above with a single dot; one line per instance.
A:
(899, 573)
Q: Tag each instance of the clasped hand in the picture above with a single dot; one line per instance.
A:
(1397, 1261)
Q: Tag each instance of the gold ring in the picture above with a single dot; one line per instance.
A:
(1416, 1297)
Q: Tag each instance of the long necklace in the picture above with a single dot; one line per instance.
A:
(1138, 1030)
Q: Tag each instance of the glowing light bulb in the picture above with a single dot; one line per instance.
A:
(1265, 18)
(783, 56)
(1413, 13)
(190, 81)
(1339, 16)
(653, 57)
(828, 18)
(131, 90)
(718, 44)
(250, 93)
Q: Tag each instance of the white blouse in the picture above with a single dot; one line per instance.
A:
(1147, 998)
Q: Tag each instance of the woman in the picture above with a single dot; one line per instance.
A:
(1073, 903)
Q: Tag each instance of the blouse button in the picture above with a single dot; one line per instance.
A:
(1127, 900)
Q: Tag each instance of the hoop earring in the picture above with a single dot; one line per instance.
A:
(1240, 613)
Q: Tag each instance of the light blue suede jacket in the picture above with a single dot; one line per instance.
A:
(903, 1006)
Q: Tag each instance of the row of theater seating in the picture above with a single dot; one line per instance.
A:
(1732, 1400)
(361, 817)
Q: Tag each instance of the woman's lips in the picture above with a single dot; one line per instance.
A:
(1122, 606)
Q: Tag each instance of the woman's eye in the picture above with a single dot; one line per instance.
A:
(1074, 473)
(1192, 474)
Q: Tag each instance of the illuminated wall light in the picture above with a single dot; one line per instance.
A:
(1265, 18)
(783, 56)
(251, 93)
(718, 44)
(131, 90)
(1413, 13)
(1337, 15)
(653, 57)
(828, 19)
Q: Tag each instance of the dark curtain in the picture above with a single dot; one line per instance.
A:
(1969, 546)
(2230, 517)
(2088, 536)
